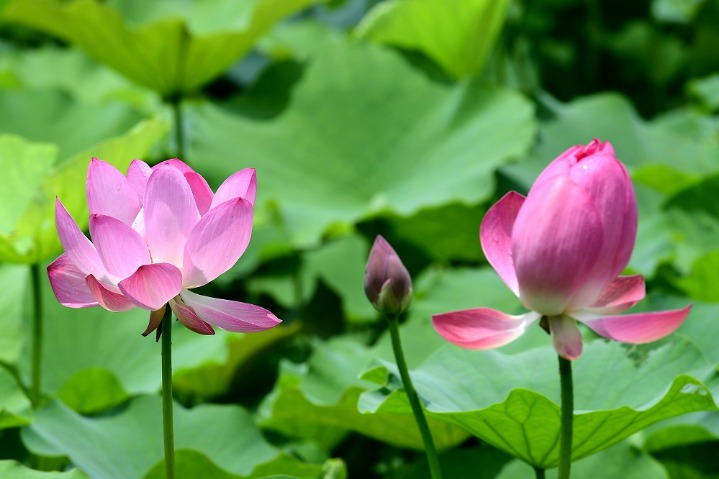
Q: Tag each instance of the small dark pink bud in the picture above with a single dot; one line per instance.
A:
(387, 282)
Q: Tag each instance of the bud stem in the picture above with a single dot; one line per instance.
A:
(434, 469)
(167, 419)
(567, 415)
(37, 337)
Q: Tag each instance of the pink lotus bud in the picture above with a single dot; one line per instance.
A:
(387, 283)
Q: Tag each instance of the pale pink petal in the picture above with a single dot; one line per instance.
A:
(110, 193)
(189, 318)
(495, 234)
(242, 184)
(217, 241)
(481, 328)
(170, 212)
(121, 248)
(152, 285)
(107, 299)
(230, 315)
(619, 295)
(137, 175)
(139, 223)
(200, 190)
(636, 328)
(566, 336)
(68, 283)
(553, 275)
(78, 248)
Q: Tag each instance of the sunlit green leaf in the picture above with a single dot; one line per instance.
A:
(14, 404)
(15, 470)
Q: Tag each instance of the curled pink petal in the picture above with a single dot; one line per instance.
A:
(481, 328)
(566, 337)
(68, 283)
(619, 295)
(121, 248)
(78, 248)
(152, 285)
(556, 242)
(137, 174)
(217, 241)
(190, 319)
(110, 193)
(107, 299)
(495, 234)
(636, 328)
(242, 184)
(230, 315)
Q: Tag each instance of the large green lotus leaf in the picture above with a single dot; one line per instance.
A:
(33, 237)
(679, 147)
(127, 444)
(14, 404)
(172, 47)
(512, 401)
(15, 470)
(366, 134)
(706, 90)
(14, 280)
(701, 282)
(457, 34)
(620, 460)
(318, 401)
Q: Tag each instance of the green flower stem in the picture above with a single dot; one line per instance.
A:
(167, 425)
(565, 438)
(434, 468)
(538, 472)
(37, 334)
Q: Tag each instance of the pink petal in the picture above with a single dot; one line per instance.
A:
(566, 336)
(495, 234)
(481, 328)
(200, 190)
(189, 318)
(121, 248)
(230, 315)
(78, 248)
(556, 242)
(137, 174)
(636, 328)
(619, 295)
(170, 212)
(107, 299)
(110, 193)
(152, 285)
(242, 184)
(68, 283)
(155, 320)
(217, 241)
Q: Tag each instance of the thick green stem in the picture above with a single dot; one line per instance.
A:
(424, 431)
(565, 438)
(37, 334)
(167, 420)
(539, 472)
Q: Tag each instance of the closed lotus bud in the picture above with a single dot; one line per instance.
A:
(387, 282)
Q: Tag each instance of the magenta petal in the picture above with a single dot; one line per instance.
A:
(189, 318)
(481, 328)
(566, 336)
(68, 283)
(78, 248)
(137, 174)
(107, 299)
(495, 234)
(217, 241)
(152, 285)
(242, 184)
(110, 193)
(121, 248)
(230, 315)
(636, 328)
(619, 295)
(170, 212)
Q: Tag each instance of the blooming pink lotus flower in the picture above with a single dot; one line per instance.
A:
(157, 233)
(560, 250)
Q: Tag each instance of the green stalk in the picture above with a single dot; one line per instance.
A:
(37, 334)
(434, 469)
(565, 438)
(539, 472)
(167, 420)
